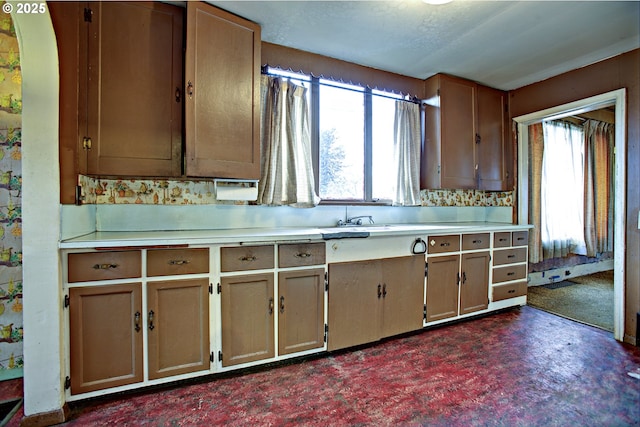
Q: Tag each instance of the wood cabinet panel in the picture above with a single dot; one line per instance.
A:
(108, 265)
(502, 239)
(475, 241)
(509, 256)
(178, 327)
(168, 262)
(510, 272)
(222, 63)
(443, 280)
(105, 336)
(494, 147)
(403, 292)
(509, 290)
(243, 258)
(299, 255)
(520, 238)
(132, 92)
(353, 303)
(247, 318)
(443, 244)
(474, 286)
(300, 310)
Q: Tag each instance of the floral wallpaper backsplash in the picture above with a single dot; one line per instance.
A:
(11, 353)
(202, 192)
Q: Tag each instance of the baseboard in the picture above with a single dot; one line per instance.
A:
(562, 273)
(44, 419)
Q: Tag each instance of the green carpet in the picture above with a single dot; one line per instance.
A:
(587, 299)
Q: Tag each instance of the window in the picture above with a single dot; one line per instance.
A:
(353, 137)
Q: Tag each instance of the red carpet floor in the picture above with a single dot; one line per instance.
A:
(522, 367)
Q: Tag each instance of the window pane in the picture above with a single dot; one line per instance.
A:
(383, 164)
(341, 142)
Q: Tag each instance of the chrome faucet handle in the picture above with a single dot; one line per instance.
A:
(357, 220)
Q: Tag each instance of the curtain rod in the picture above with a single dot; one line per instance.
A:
(316, 80)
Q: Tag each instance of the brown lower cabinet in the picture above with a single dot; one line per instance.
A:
(374, 299)
(248, 309)
(455, 287)
(105, 324)
(177, 327)
(106, 332)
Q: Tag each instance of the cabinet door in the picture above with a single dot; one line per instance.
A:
(402, 290)
(177, 327)
(300, 310)
(458, 133)
(132, 91)
(105, 336)
(222, 64)
(474, 287)
(247, 318)
(494, 148)
(443, 280)
(355, 290)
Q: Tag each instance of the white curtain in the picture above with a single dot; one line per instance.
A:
(287, 173)
(407, 153)
(562, 190)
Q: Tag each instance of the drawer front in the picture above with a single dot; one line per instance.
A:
(511, 272)
(520, 238)
(510, 290)
(168, 262)
(91, 266)
(244, 258)
(502, 239)
(475, 241)
(297, 255)
(509, 256)
(442, 244)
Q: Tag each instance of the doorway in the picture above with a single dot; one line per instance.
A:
(618, 100)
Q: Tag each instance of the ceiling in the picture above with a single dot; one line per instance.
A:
(503, 44)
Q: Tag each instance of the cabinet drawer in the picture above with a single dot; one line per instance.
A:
(244, 258)
(296, 255)
(89, 266)
(510, 290)
(509, 256)
(475, 241)
(511, 272)
(167, 262)
(520, 238)
(442, 244)
(502, 239)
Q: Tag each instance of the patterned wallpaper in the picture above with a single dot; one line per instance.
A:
(11, 355)
(173, 192)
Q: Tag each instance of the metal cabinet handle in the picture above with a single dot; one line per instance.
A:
(151, 314)
(248, 258)
(445, 244)
(105, 266)
(379, 290)
(464, 277)
(511, 256)
(384, 290)
(281, 304)
(136, 319)
(190, 89)
(178, 262)
(178, 94)
(511, 273)
(303, 255)
(477, 241)
(419, 247)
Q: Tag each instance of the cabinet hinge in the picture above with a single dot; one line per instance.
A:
(67, 301)
(220, 356)
(424, 312)
(326, 282)
(219, 288)
(86, 143)
(88, 14)
(79, 196)
(211, 288)
(326, 332)
(211, 357)
(67, 383)
(426, 269)
(438, 169)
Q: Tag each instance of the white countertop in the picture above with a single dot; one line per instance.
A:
(115, 239)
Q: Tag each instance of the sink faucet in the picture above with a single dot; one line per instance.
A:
(355, 220)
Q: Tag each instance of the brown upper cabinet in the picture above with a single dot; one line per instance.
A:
(123, 92)
(466, 145)
(222, 87)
